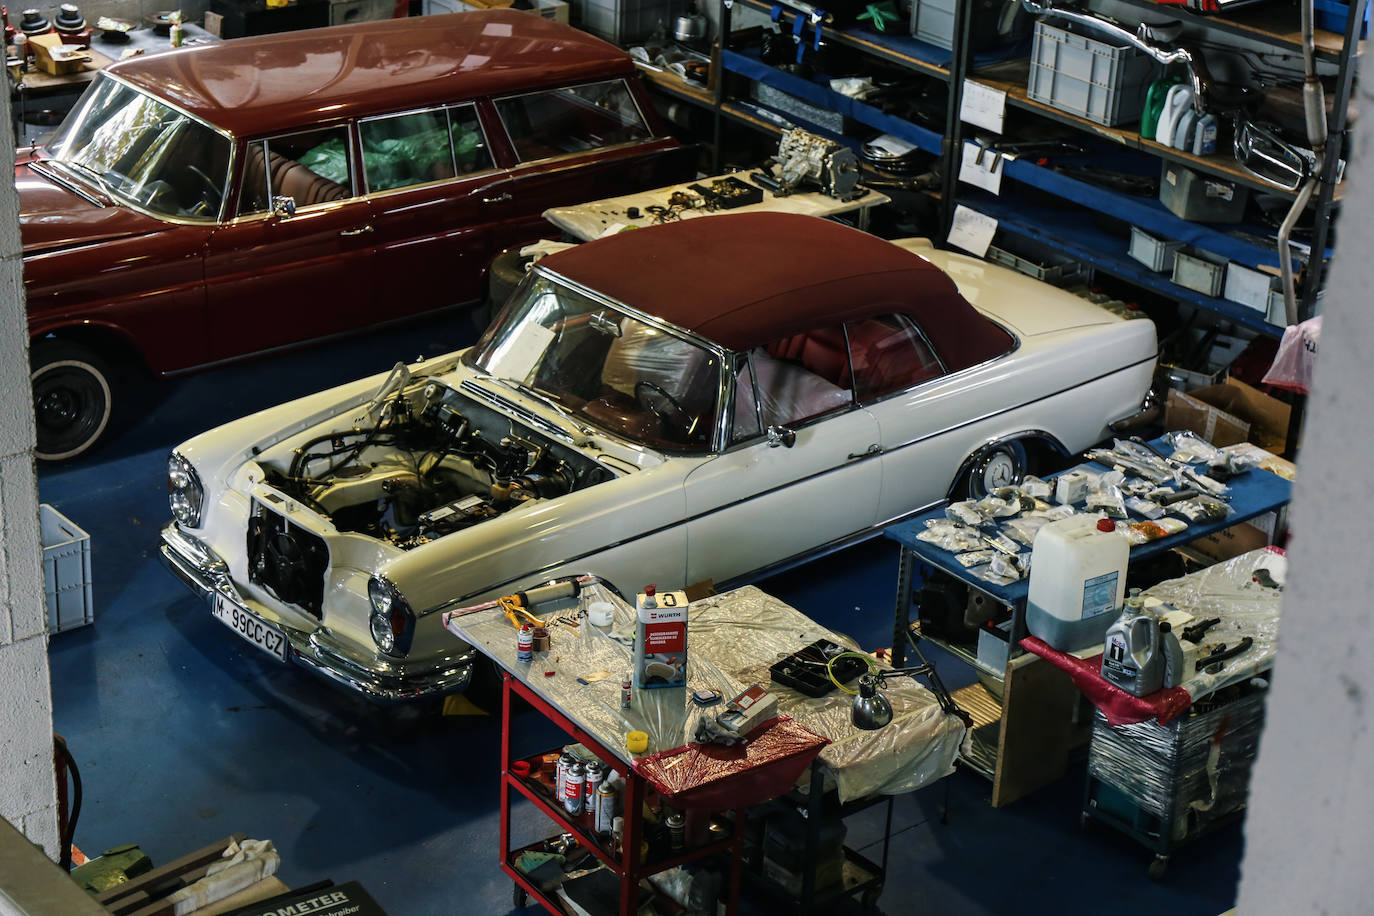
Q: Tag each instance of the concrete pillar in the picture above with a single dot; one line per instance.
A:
(1309, 828)
(28, 790)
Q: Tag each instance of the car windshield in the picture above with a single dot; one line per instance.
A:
(603, 365)
(142, 152)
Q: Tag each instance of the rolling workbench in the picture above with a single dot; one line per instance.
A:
(1021, 740)
(733, 639)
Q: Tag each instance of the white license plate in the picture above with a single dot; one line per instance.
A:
(250, 626)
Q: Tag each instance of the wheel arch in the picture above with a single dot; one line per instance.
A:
(110, 341)
(1041, 446)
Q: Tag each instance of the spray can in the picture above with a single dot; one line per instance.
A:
(572, 788)
(625, 692)
(605, 807)
(595, 775)
(21, 49)
(524, 645)
(560, 779)
(676, 829)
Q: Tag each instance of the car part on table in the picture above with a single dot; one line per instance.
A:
(805, 157)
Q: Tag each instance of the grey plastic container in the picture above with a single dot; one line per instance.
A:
(933, 21)
(1065, 635)
(1156, 254)
(66, 571)
(625, 22)
(1194, 196)
(1093, 79)
(1200, 272)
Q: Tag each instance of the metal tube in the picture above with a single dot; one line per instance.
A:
(1314, 109)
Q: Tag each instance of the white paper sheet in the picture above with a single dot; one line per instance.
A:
(983, 106)
(971, 230)
(987, 174)
(516, 358)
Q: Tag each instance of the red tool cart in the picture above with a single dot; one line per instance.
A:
(574, 679)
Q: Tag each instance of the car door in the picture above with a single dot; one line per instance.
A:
(275, 279)
(758, 503)
(433, 185)
(575, 144)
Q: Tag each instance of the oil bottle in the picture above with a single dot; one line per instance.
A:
(1132, 658)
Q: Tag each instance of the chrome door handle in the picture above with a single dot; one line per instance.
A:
(874, 449)
(363, 230)
(500, 198)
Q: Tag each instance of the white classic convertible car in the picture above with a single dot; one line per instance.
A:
(705, 399)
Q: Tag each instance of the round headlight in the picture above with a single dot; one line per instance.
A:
(185, 495)
(391, 623)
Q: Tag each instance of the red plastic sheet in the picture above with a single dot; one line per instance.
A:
(1120, 707)
(713, 777)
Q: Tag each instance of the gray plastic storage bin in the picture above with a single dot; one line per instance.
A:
(1087, 77)
(1201, 272)
(66, 571)
(1040, 262)
(1156, 254)
(625, 22)
(933, 21)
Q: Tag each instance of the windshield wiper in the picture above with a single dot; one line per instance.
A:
(561, 410)
(98, 177)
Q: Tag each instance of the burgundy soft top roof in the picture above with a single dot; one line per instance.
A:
(744, 280)
(269, 83)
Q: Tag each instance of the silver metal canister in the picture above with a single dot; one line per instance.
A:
(605, 807)
(561, 773)
(572, 788)
(595, 775)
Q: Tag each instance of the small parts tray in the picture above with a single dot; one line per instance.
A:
(804, 670)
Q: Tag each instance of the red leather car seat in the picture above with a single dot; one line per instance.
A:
(289, 178)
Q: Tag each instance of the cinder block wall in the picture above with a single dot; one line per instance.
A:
(28, 789)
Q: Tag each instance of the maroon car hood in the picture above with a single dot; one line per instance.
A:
(50, 216)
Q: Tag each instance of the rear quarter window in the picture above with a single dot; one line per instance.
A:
(574, 119)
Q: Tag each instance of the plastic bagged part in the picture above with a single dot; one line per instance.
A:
(1146, 507)
(951, 536)
(1150, 530)
(998, 505)
(1035, 488)
(1024, 529)
(1292, 366)
(965, 512)
(1201, 509)
(1190, 447)
(1105, 495)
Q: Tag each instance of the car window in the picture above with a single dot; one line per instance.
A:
(409, 149)
(802, 376)
(311, 168)
(141, 151)
(889, 354)
(605, 365)
(571, 120)
(745, 422)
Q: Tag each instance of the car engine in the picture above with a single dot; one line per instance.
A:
(434, 462)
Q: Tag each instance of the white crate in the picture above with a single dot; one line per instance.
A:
(66, 571)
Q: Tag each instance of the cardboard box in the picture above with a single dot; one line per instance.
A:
(1230, 413)
(1231, 542)
(557, 10)
(45, 47)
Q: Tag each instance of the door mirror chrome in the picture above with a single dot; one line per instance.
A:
(284, 207)
(1262, 153)
(781, 435)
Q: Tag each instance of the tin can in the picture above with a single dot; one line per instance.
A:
(625, 694)
(605, 807)
(572, 788)
(561, 774)
(524, 645)
(595, 774)
(676, 829)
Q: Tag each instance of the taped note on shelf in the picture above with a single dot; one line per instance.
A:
(982, 105)
(981, 167)
(971, 230)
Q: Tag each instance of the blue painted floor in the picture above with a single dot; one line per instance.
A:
(185, 734)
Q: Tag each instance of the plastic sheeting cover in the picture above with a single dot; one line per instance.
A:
(733, 638)
(1231, 590)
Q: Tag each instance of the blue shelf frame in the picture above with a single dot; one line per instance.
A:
(819, 94)
(1079, 239)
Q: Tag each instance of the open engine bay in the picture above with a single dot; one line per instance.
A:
(422, 463)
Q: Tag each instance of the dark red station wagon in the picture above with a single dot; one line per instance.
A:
(204, 204)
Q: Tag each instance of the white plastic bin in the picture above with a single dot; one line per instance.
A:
(66, 571)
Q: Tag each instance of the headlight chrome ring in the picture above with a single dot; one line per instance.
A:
(185, 494)
(392, 622)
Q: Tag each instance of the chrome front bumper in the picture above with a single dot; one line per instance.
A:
(319, 650)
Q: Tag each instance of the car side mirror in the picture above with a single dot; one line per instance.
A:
(283, 206)
(781, 435)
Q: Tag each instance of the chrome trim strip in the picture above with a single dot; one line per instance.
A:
(62, 181)
(320, 651)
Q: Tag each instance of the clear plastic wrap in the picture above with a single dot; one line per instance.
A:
(1190, 447)
(1189, 773)
(1104, 494)
(733, 638)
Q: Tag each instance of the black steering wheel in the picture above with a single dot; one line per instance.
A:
(213, 193)
(657, 401)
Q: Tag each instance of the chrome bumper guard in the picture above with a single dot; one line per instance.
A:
(319, 651)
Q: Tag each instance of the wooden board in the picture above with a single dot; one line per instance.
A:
(1037, 728)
